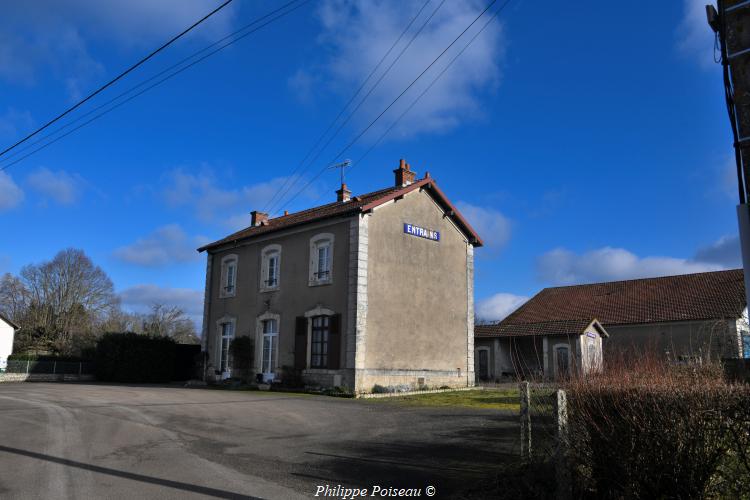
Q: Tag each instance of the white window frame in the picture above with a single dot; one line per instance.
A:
(266, 254)
(228, 261)
(312, 313)
(225, 320)
(259, 333)
(316, 242)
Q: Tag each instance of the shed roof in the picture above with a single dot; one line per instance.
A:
(7, 320)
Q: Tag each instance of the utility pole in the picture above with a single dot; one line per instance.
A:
(731, 23)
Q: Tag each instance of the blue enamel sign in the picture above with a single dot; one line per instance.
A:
(421, 232)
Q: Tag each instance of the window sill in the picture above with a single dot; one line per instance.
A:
(265, 290)
(320, 282)
(227, 295)
(320, 371)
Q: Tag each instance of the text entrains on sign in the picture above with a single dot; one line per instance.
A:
(421, 232)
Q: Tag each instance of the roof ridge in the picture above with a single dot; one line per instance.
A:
(652, 278)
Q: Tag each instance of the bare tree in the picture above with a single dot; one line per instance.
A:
(59, 299)
(170, 321)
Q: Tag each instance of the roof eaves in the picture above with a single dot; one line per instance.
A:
(11, 323)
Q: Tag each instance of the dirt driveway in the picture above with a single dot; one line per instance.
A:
(114, 441)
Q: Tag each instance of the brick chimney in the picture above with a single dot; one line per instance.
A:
(257, 218)
(404, 174)
(343, 194)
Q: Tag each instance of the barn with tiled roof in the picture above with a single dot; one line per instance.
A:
(685, 317)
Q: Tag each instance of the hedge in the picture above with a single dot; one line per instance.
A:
(130, 357)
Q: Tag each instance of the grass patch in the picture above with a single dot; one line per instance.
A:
(503, 399)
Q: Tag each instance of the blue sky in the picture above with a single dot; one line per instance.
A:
(585, 141)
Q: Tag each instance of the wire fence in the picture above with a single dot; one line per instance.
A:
(30, 367)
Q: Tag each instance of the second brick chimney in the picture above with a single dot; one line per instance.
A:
(404, 174)
(343, 194)
(257, 218)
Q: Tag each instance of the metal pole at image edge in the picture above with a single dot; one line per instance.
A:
(743, 219)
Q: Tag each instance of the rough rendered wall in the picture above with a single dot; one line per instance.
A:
(294, 296)
(418, 299)
(714, 338)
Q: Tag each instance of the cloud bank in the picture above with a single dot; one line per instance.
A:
(498, 306)
(166, 245)
(370, 28)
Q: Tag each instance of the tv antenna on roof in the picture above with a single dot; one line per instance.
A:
(342, 165)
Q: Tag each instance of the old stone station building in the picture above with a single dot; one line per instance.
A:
(370, 289)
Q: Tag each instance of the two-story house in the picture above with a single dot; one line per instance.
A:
(369, 289)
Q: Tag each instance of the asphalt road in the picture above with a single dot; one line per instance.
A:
(114, 441)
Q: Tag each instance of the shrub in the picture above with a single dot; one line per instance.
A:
(129, 357)
(657, 430)
(242, 350)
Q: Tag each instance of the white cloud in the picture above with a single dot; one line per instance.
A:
(14, 122)
(498, 306)
(140, 298)
(10, 194)
(493, 227)
(53, 35)
(355, 36)
(563, 267)
(694, 36)
(724, 252)
(230, 207)
(166, 245)
(60, 186)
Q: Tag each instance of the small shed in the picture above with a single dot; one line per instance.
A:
(548, 350)
(7, 333)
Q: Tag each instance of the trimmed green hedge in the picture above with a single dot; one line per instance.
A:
(130, 357)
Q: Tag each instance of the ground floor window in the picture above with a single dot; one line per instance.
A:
(270, 347)
(227, 334)
(321, 330)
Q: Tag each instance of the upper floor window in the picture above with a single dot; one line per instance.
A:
(228, 276)
(270, 267)
(321, 259)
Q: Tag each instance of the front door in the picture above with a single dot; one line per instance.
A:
(270, 348)
(562, 361)
(484, 365)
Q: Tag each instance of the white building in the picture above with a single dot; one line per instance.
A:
(7, 332)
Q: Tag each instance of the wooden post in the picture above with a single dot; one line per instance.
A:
(28, 362)
(562, 468)
(523, 389)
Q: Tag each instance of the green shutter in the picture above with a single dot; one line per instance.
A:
(300, 343)
(334, 343)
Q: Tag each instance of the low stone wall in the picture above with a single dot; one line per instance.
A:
(416, 393)
(413, 379)
(43, 377)
(325, 378)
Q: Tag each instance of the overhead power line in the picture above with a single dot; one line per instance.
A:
(377, 118)
(432, 83)
(118, 77)
(286, 187)
(159, 82)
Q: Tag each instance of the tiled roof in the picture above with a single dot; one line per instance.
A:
(358, 204)
(576, 326)
(702, 296)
